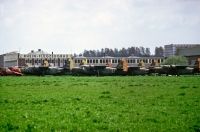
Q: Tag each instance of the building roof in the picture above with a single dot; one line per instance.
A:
(38, 52)
(193, 51)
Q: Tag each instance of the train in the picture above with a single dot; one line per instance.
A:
(106, 66)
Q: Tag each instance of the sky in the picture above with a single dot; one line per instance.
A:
(71, 26)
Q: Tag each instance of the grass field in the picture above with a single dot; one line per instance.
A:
(65, 103)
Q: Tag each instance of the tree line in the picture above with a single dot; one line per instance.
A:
(123, 52)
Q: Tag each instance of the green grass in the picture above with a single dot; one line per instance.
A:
(65, 103)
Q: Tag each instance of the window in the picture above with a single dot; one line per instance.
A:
(101, 61)
(133, 60)
(96, 61)
(93, 61)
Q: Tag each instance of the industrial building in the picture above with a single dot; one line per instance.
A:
(34, 58)
(190, 51)
(171, 49)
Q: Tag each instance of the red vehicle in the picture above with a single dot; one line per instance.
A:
(10, 71)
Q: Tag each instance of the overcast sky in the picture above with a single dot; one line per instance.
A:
(68, 26)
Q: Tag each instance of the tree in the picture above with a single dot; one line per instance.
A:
(176, 60)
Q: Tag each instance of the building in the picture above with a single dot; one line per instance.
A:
(2, 60)
(11, 59)
(34, 58)
(171, 49)
(37, 58)
(192, 54)
(190, 51)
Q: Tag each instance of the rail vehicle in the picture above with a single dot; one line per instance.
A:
(122, 67)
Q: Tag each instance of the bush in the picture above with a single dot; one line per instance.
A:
(176, 60)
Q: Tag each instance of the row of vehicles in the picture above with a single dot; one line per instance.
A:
(123, 69)
(102, 70)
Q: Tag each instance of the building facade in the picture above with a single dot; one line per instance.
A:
(37, 58)
(2, 60)
(34, 58)
(192, 54)
(171, 49)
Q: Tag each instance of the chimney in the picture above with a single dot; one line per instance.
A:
(32, 51)
(39, 49)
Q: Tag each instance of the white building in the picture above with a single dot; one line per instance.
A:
(34, 58)
(37, 58)
(11, 59)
